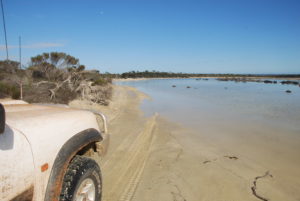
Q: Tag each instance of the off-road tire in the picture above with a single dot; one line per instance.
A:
(80, 169)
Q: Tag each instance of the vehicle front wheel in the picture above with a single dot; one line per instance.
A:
(82, 181)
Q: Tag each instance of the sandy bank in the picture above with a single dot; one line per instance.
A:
(153, 159)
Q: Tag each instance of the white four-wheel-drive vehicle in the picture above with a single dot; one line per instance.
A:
(44, 152)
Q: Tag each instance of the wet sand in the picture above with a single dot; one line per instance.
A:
(153, 159)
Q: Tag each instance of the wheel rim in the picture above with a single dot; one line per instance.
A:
(86, 191)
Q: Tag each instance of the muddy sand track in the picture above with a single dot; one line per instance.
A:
(123, 170)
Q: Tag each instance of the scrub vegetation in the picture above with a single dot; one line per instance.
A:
(54, 77)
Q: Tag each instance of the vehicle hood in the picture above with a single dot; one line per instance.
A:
(30, 117)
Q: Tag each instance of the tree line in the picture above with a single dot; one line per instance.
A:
(153, 74)
(158, 74)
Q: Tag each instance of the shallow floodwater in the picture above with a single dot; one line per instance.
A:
(257, 123)
(212, 102)
(228, 112)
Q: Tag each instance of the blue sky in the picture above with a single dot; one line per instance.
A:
(224, 36)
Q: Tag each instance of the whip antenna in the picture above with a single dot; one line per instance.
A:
(4, 30)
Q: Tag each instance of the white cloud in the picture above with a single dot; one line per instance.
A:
(34, 46)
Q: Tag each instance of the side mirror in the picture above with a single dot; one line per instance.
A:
(2, 119)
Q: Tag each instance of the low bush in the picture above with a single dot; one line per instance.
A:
(9, 91)
(101, 82)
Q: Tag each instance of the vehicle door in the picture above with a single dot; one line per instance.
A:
(16, 165)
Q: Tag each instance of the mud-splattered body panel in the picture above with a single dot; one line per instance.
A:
(34, 135)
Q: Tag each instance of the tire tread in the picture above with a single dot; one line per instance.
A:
(79, 164)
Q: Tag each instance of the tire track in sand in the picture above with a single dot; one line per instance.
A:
(123, 171)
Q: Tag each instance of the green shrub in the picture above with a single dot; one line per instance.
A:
(7, 90)
(101, 81)
(38, 74)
